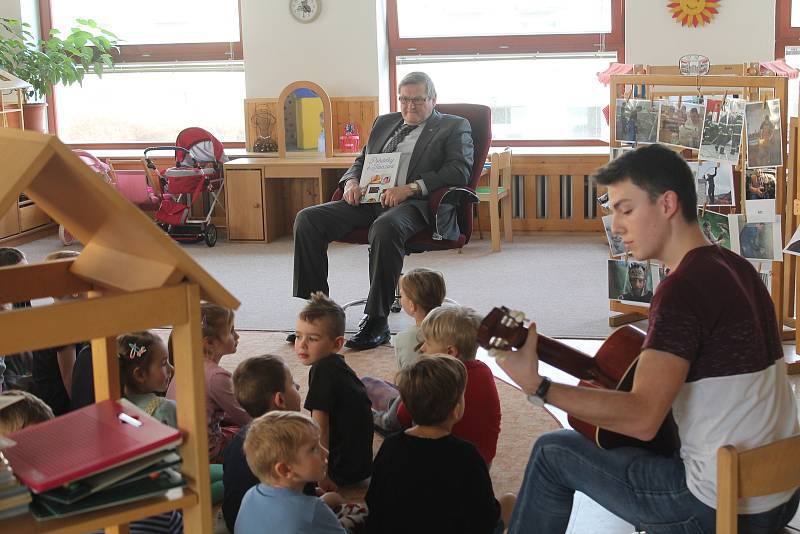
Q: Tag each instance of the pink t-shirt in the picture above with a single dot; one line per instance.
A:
(221, 406)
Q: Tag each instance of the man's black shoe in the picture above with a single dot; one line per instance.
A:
(372, 333)
(291, 337)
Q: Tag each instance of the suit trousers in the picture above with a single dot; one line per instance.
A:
(389, 229)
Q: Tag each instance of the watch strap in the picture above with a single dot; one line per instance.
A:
(543, 388)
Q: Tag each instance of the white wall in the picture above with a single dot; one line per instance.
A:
(744, 30)
(10, 9)
(338, 51)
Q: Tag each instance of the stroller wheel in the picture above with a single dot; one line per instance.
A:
(210, 235)
(66, 237)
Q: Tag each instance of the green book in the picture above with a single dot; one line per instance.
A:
(44, 509)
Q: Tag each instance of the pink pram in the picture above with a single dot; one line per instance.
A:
(102, 170)
(198, 171)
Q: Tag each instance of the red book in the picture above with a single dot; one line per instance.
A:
(85, 442)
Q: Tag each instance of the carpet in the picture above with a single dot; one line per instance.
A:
(521, 424)
(558, 280)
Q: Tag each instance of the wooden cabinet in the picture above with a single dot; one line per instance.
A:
(9, 223)
(244, 195)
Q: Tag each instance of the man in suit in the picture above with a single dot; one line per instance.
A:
(436, 151)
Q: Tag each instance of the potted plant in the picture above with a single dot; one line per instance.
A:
(61, 58)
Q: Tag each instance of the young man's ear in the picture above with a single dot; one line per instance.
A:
(671, 203)
(338, 343)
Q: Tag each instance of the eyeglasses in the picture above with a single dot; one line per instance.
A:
(416, 100)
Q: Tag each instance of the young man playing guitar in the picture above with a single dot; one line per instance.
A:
(712, 355)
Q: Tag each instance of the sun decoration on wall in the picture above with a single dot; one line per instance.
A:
(693, 13)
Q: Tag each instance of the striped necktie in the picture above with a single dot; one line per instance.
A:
(398, 137)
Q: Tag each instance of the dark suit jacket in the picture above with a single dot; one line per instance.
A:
(442, 156)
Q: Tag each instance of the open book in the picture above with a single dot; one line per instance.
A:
(378, 173)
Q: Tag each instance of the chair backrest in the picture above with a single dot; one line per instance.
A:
(764, 470)
(500, 173)
(480, 119)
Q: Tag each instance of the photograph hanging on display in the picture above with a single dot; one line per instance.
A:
(714, 183)
(760, 210)
(794, 244)
(617, 151)
(636, 121)
(681, 124)
(614, 241)
(758, 241)
(760, 183)
(715, 227)
(763, 122)
(722, 132)
(630, 282)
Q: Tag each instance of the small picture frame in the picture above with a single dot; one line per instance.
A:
(614, 241)
(763, 122)
(636, 121)
(756, 241)
(681, 124)
(630, 282)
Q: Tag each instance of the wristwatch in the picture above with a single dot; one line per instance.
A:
(539, 398)
(415, 188)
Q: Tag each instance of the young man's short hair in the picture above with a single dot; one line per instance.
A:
(432, 387)
(321, 308)
(454, 325)
(276, 437)
(256, 380)
(656, 169)
(29, 410)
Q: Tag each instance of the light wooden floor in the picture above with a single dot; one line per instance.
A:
(587, 516)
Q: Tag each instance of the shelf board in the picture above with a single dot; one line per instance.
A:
(125, 513)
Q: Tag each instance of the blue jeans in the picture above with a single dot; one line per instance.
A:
(642, 488)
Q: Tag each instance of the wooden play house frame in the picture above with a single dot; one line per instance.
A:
(730, 79)
(136, 278)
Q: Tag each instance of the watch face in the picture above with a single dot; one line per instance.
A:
(304, 10)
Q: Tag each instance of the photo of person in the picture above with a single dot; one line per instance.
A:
(681, 124)
(614, 241)
(636, 121)
(714, 183)
(756, 240)
(763, 122)
(760, 184)
(715, 228)
(722, 132)
(630, 281)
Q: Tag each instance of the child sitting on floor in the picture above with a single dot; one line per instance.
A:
(421, 290)
(16, 370)
(453, 330)
(261, 384)
(425, 479)
(225, 416)
(336, 397)
(283, 449)
(145, 371)
(27, 410)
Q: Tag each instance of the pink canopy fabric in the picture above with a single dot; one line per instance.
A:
(614, 68)
(780, 68)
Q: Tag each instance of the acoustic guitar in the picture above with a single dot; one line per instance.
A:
(611, 368)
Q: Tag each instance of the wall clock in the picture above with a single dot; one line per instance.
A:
(693, 12)
(305, 10)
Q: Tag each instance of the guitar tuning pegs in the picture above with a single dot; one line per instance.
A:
(518, 316)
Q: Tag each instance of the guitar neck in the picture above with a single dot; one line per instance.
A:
(567, 359)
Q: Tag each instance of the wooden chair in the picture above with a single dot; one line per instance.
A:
(498, 190)
(767, 469)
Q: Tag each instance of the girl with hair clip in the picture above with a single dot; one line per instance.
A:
(224, 415)
(145, 372)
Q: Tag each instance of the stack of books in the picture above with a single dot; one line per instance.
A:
(14, 497)
(102, 455)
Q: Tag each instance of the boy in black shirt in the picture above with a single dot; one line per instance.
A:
(425, 479)
(336, 397)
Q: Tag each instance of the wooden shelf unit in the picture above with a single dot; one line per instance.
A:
(161, 285)
(732, 79)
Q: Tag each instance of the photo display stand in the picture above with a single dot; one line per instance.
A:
(744, 81)
(793, 218)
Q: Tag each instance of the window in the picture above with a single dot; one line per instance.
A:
(178, 67)
(533, 63)
(787, 35)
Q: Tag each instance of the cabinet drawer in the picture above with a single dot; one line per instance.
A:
(31, 216)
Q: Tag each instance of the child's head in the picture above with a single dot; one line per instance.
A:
(320, 329)
(143, 363)
(421, 290)
(11, 256)
(433, 389)
(28, 410)
(219, 335)
(264, 383)
(282, 448)
(451, 330)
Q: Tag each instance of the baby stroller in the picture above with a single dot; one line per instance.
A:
(197, 172)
